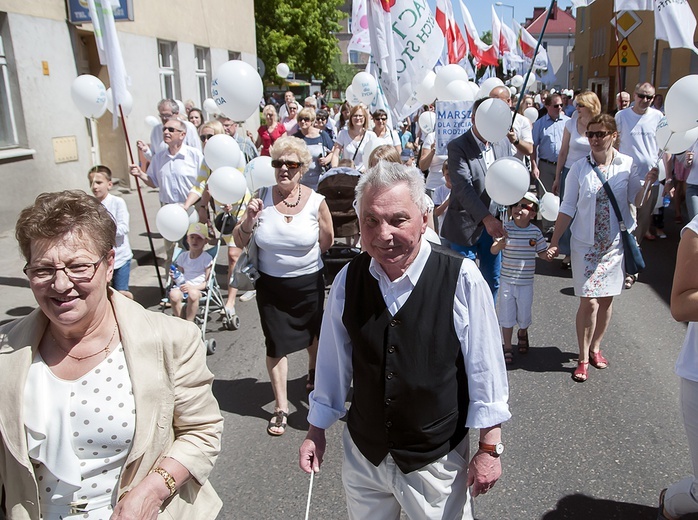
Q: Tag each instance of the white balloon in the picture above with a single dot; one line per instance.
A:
(493, 119)
(507, 181)
(182, 108)
(260, 173)
(126, 103)
(227, 184)
(529, 85)
(427, 121)
(367, 150)
(550, 206)
(674, 142)
(221, 150)
(681, 104)
(531, 114)
(242, 162)
(282, 70)
(237, 89)
(537, 99)
(432, 236)
(487, 86)
(517, 81)
(89, 95)
(474, 87)
(210, 107)
(425, 91)
(365, 87)
(351, 97)
(457, 90)
(152, 121)
(172, 222)
(193, 215)
(446, 75)
(513, 91)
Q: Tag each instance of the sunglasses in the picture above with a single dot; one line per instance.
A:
(599, 134)
(644, 96)
(521, 205)
(291, 165)
(559, 105)
(320, 119)
(579, 105)
(304, 119)
(380, 118)
(171, 129)
(205, 137)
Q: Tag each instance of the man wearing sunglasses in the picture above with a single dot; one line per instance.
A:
(167, 109)
(637, 135)
(547, 141)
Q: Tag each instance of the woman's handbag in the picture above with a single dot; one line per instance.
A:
(632, 256)
(245, 273)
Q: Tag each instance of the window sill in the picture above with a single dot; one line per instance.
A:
(16, 153)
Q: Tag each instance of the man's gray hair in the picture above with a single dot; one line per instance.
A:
(170, 103)
(386, 175)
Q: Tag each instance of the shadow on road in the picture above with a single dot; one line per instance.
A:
(582, 507)
(543, 359)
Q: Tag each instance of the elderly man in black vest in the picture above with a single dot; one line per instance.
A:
(416, 331)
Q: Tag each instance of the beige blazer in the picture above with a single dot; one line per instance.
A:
(176, 413)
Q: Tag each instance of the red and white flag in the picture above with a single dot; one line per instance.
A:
(360, 39)
(457, 48)
(527, 43)
(675, 22)
(501, 45)
(484, 54)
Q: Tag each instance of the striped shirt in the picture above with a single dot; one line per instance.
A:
(519, 255)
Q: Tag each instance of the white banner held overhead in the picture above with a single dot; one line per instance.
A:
(675, 22)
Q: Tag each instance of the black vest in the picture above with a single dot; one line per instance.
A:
(410, 388)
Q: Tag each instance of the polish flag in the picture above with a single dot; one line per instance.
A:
(498, 37)
(527, 43)
(484, 54)
(457, 48)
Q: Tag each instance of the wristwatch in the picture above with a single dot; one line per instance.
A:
(493, 449)
(516, 143)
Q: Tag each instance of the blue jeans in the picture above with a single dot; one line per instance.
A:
(121, 275)
(490, 265)
(692, 200)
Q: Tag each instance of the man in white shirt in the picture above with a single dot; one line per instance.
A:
(637, 134)
(407, 425)
(167, 109)
(289, 98)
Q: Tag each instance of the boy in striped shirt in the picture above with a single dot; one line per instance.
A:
(524, 241)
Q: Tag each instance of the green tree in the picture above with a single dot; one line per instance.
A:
(300, 33)
(341, 76)
(486, 37)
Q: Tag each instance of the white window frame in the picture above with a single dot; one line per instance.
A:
(11, 140)
(202, 72)
(167, 63)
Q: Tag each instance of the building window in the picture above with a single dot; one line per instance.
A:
(234, 55)
(8, 124)
(167, 58)
(665, 73)
(202, 72)
(354, 57)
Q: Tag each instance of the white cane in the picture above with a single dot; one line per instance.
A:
(310, 493)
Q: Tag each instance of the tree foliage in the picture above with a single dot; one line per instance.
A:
(300, 33)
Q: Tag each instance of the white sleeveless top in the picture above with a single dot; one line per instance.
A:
(79, 434)
(289, 249)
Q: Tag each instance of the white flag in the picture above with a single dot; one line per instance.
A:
(405, 44)
(581, 3)
(633, 5)
(360, 39)
(102, 14)
(675, 22)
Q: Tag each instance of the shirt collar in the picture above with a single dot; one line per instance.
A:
(412, 273)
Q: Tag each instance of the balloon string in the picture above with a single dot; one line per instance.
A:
(310, 492)
(540, 183)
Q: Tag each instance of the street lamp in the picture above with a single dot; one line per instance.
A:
(501, 4)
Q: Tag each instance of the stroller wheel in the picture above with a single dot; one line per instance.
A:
(210, 346)
(231, 322)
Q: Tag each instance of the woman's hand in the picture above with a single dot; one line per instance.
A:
(324, 161)
(254, 208)
(552, 252)
(143, 502)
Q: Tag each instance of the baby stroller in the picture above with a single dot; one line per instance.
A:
(338, 185)
(211, 301)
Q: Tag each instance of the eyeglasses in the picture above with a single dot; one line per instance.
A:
(599, 134)
(171, 129)
(205, 137)
(304, 119)
(293, 108)
(75, 273)
(165, 117)
(383, 118)
(291, 165)
(645, 96)
(579, 105)
(357, 116)
(521, 205)
(320, 119)
(559, 105)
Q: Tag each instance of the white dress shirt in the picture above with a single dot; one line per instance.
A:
(476, 325)
(175, 174)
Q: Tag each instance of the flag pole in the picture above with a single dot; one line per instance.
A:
(533, 60)
(140, 198)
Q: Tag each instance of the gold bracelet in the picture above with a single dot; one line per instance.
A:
(169, 480)
(246, 232)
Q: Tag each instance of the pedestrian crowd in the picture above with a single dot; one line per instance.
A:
(419, 240)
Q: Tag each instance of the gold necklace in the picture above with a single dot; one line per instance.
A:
(283, 199)
(80, 358)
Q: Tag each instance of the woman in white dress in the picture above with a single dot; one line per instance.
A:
(352, 140)
(596, 246)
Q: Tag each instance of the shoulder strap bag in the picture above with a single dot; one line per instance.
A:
(632, 256)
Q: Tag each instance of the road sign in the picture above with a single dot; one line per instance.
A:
(626, 22)
(624, 56)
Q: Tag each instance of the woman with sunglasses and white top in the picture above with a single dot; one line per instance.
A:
(596, 245)
(293, 228)
(352, 140)
(384, 134)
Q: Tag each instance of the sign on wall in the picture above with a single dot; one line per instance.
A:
(78, 11)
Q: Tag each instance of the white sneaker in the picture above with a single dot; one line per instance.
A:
(248, 296)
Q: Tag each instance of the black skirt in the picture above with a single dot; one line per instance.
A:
(290, 310)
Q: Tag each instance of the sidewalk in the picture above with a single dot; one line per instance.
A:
(17, 299)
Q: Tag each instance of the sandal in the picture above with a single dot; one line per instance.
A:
(661, 515)
(310, 380)
(278, 420)
(580, 373)
(508, 356)
(523, 342)
(629, 281)
(597, 360)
